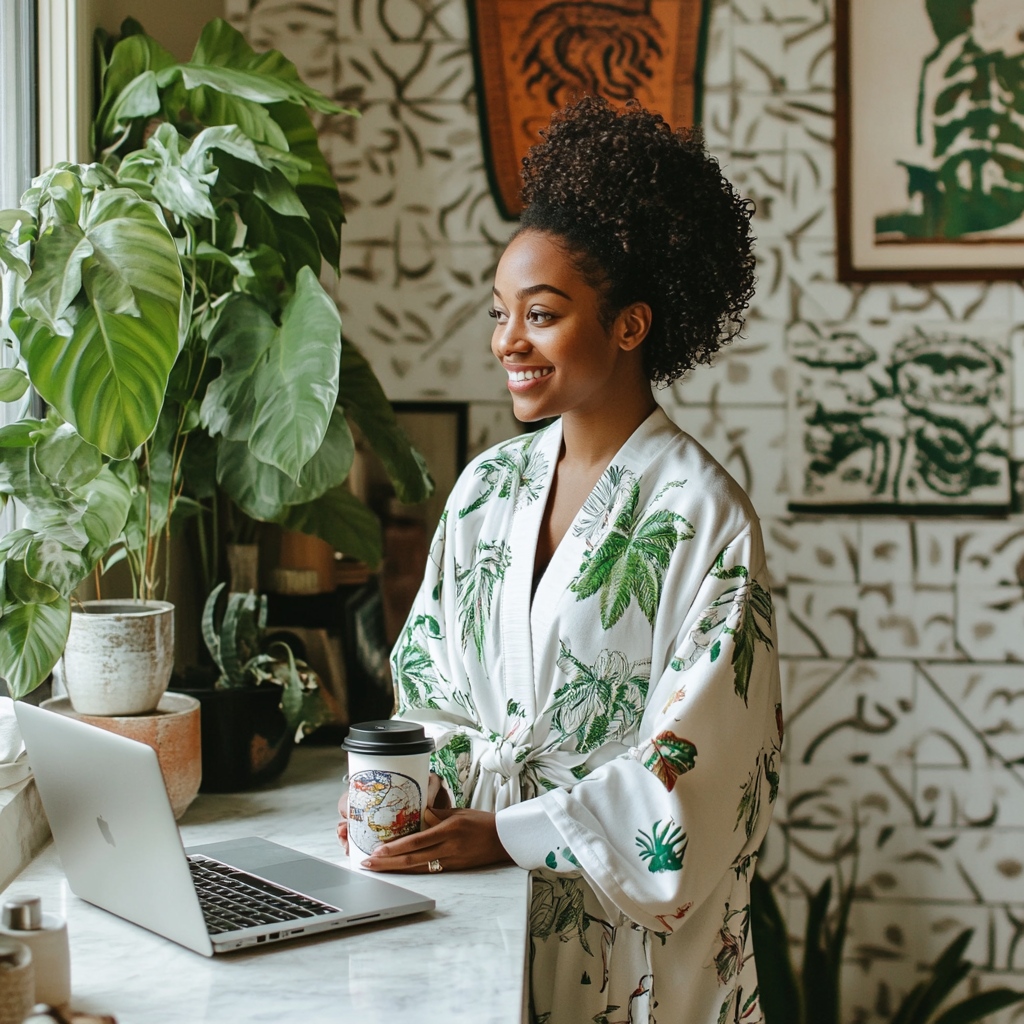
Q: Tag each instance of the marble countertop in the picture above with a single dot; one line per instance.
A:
(463, 962)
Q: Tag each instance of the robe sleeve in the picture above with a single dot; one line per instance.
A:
(654, 831)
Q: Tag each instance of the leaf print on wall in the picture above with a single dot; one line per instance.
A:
(604, 504)
(663, 850)
(738, 613)
(475, 587)
(632, 560)
(601, 702)
(452, 763)
(668, 756)
(515, 471)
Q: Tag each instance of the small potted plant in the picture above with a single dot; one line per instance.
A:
(164, 302)
(264, 699)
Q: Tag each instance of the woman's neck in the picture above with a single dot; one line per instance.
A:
(592, 436)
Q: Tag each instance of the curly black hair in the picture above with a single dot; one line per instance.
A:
(646, 216)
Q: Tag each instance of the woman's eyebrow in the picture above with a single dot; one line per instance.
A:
(534, 289)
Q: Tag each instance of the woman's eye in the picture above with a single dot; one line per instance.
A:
(497, 314)
(537, 316)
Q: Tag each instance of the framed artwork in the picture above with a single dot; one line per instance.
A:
(930, 139)
(534, 56)
(900, 419)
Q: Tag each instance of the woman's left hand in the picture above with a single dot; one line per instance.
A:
(457, 838)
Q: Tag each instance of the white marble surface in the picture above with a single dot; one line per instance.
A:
(463, 962)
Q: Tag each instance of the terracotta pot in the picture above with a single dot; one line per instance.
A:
(119, 656)
(172, 730)
(303, 551)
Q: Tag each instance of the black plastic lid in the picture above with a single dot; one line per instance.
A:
(388, 736)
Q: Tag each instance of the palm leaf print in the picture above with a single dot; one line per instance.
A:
(475, 586)
(516, 469)
(749, 809)
(437, 554)
(746, 604)
(601, 702)
(632, 560)
(418, 678)
(604, 504)
(668, 756)
(664, 850)
(452, 763)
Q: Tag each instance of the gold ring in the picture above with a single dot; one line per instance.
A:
(434, 866)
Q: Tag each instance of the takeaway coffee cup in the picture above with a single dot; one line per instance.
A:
(388, 771)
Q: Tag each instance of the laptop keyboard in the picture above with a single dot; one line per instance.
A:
(232, 899)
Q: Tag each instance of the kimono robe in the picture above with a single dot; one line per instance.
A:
(625, 725)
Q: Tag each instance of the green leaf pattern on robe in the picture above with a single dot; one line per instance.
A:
(748, 604)
(475, 586)
(632, 560)
(601, 702)
(514, 471)
(452, 763)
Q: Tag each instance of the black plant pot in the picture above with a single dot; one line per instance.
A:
(246, 741)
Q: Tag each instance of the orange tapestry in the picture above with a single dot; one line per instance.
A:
(534, 56)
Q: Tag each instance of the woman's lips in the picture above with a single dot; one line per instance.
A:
(524, 378)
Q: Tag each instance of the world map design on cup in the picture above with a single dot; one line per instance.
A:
(382, 806)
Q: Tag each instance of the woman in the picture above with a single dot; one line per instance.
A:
(593, 647)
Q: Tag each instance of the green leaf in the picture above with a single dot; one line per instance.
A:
(221, 45)
(179, 184)
(139, 98)
(342, 520)
(109, 497)
(130, 58)
(777, 983)
(277, 192)
(67, 459)
(293, 237)
(244, 335)
(56, 273)
(363, 399)
(296, 387)
(32, 638)
(13, 384)
(24, 587)
(108, 378)
(55, 565)
(23, 434)
(980, 1006)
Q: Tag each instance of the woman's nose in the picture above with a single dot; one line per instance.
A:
(511, 337)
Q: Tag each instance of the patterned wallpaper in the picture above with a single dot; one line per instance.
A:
(902, 638)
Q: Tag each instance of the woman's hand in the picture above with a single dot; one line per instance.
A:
(459, 839)
(437, 796)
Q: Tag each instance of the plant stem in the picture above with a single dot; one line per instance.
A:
(96, 573)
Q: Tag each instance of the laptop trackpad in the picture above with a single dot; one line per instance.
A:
(306, 875)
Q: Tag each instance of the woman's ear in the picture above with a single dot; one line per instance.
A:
(633, 325)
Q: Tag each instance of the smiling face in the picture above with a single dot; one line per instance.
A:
(549, 335)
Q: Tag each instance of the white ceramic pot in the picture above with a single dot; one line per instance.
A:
(119, 656)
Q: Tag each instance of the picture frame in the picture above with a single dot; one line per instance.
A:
(929, 141)
(533, 56)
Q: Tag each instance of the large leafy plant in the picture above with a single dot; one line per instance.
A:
(165, 303)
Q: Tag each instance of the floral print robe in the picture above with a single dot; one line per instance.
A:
(625, 724)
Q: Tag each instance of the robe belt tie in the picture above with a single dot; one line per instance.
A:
(505, 757)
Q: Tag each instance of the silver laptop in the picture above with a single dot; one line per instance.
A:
(121, 850)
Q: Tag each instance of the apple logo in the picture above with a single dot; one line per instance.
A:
(105, 830)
